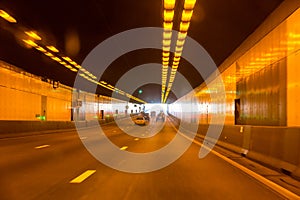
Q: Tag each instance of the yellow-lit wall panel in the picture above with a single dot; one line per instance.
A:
(91, 106)
(293, 90)
(204, 106)
(293, 32)
(58, 110)
(265, 77)
(293, 69)
(263, 96)
(21, 96)
(18, 105)
(229, 80)
(25, 96)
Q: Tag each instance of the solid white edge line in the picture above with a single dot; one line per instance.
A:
(277, 188)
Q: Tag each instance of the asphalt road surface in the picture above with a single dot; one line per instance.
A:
(58, 166)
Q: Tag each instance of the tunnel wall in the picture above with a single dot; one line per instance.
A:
(275, 147)
(260, 78)
(262, 96)
(262, 87)
(26, 97)
(12, 128)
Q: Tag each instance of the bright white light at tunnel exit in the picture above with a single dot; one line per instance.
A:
(157, 107)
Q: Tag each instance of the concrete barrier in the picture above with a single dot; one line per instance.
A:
(22, 128)
(277, 147)
(8, 128)
(30, 126)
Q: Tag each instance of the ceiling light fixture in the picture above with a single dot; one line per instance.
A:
(7, 17)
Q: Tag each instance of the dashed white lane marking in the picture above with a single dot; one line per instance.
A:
(42, 146)
(123, 148)
(83, 176)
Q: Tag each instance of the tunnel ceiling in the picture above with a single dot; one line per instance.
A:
(76, 27)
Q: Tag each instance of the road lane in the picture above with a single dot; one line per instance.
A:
(28, 173)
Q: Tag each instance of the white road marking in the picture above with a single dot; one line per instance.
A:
(82, 138)
(83, 176)
(42, 146)
(136, 139)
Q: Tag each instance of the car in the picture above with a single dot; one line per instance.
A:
(160, 117)
(147, 117)
(153, 114)
(140, 121)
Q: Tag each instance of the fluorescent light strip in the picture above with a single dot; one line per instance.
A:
(168, 15)
(186, 15)
(52, 48)
(169, 4)
(69, 63)
(184, 26)
(189, 4)
(168, 26)
(33, 35)
(30, 43)
(57, 59)
(41, 49)
(7, 17)
(79, 67)
(49, 54)
(112, 88)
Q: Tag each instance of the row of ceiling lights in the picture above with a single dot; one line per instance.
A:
(167, 35)
(52, 52)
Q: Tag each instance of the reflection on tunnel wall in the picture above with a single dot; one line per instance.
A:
(28, 97)
(205, 101)
(263, 96)
(88, 106)
(261, 78)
